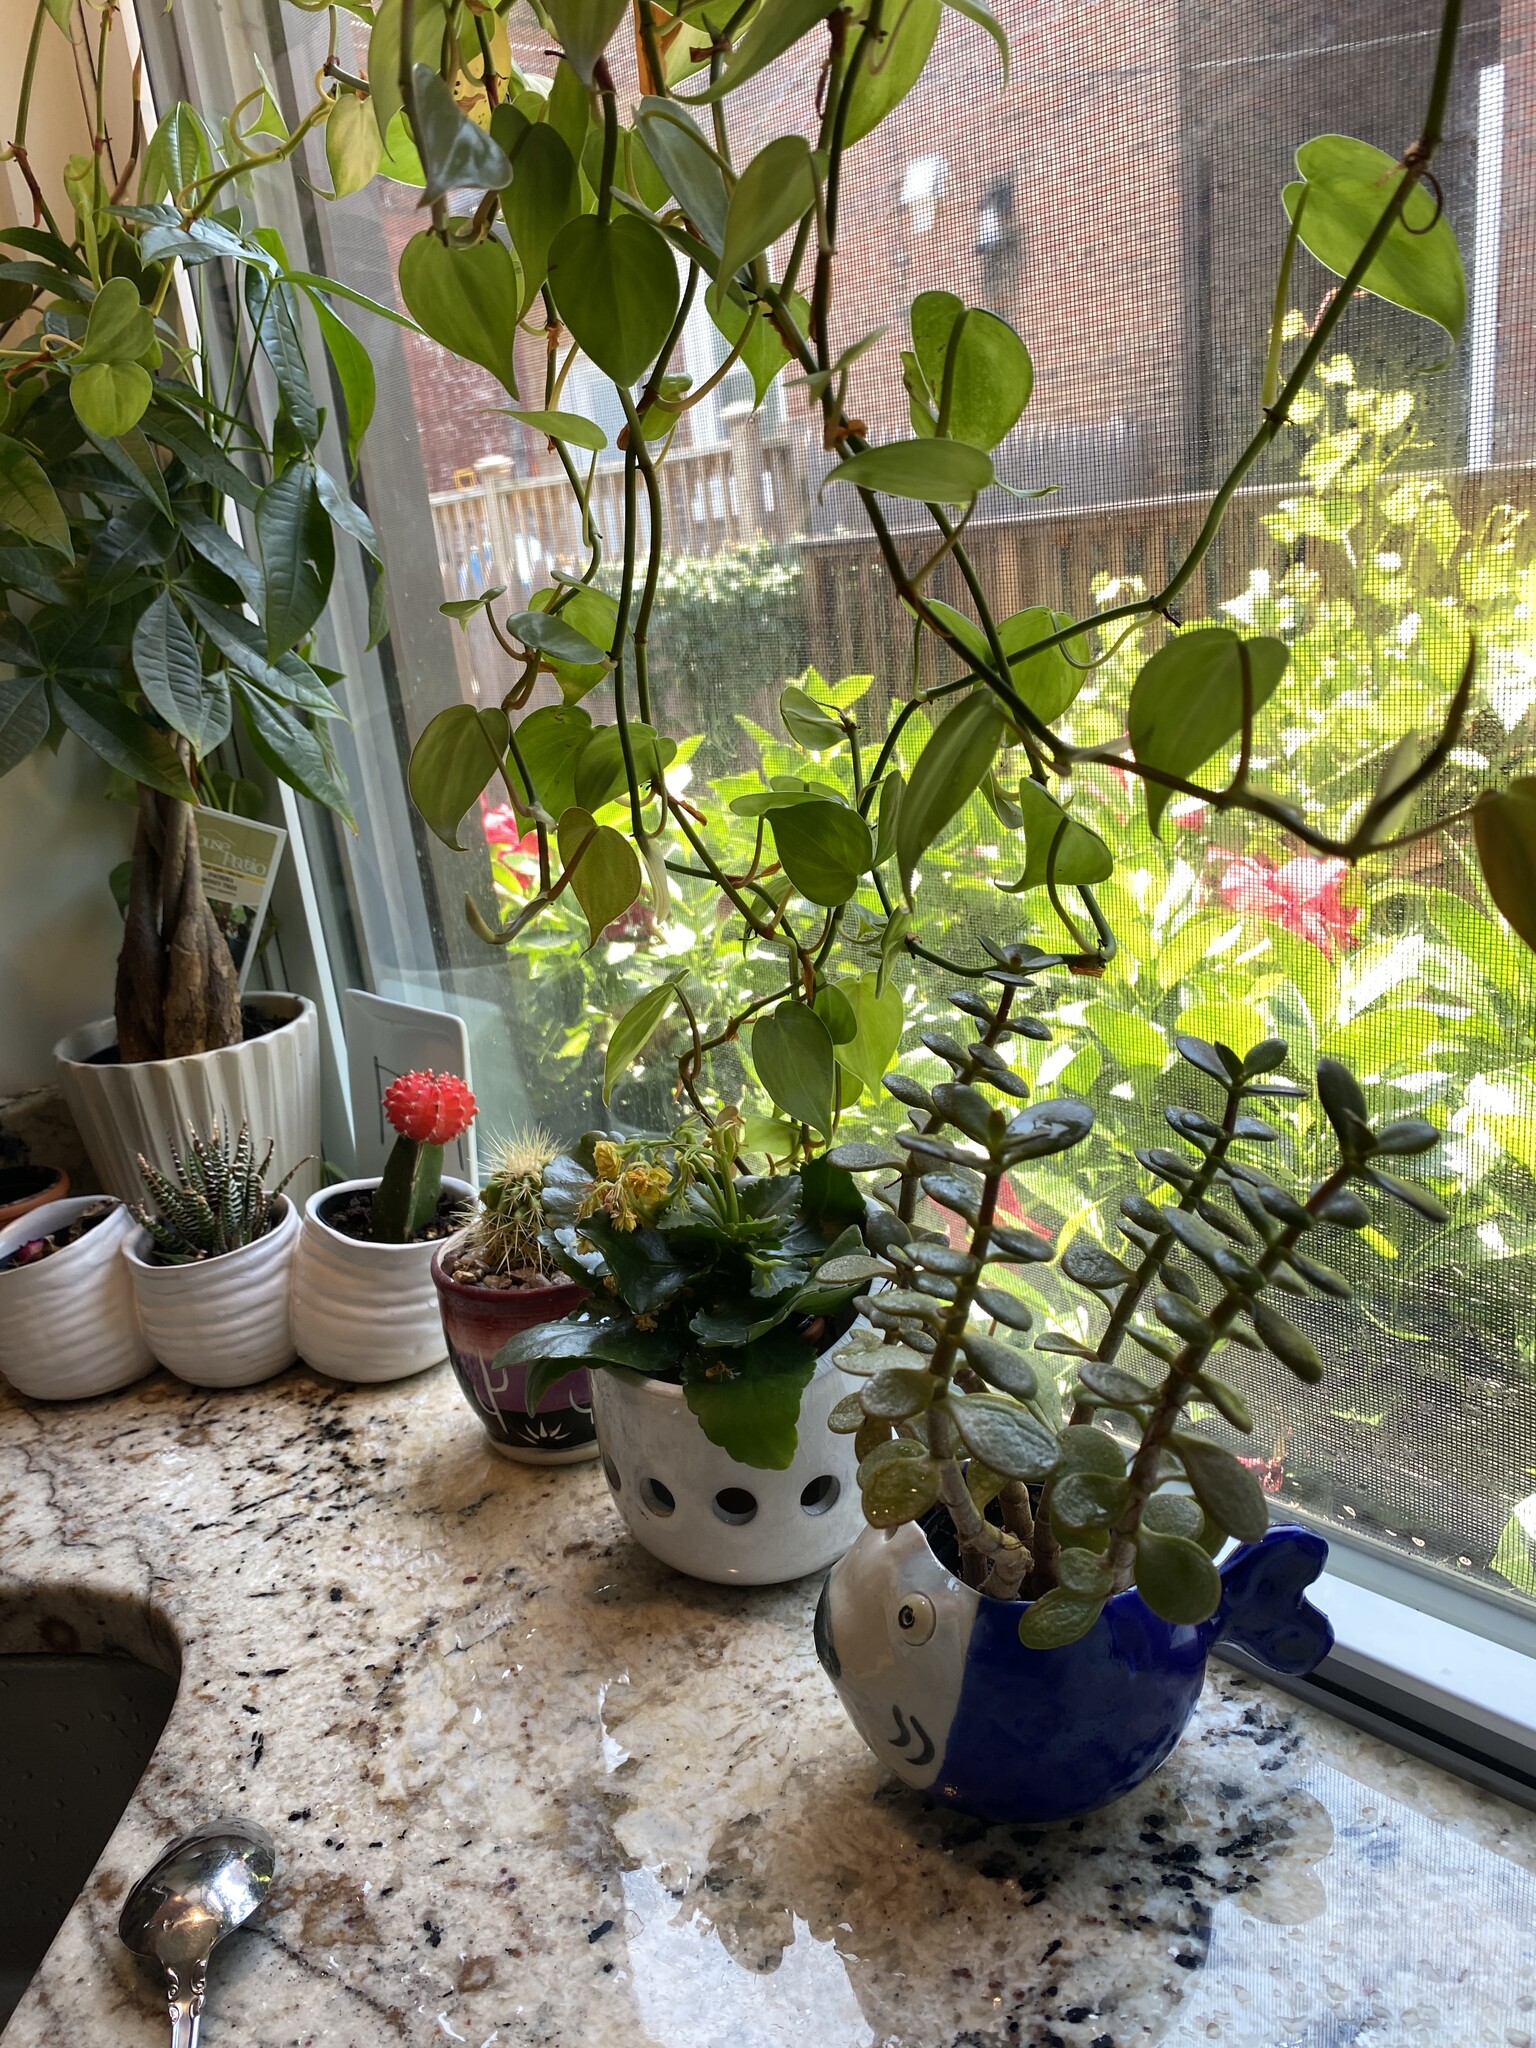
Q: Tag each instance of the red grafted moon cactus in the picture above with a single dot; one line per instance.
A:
(428, 1111)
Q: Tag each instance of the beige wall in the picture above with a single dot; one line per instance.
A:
(59, 838)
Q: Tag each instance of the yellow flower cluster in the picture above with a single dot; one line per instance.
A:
(627, 1195)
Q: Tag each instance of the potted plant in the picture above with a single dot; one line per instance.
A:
(24, 1186)
(165, 562)
(719, 1303)
(500, 1278)
(212, 1263)
(68, 1324)
(364, 1306)
(1097, 1540)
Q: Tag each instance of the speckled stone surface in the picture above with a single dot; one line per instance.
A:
(530, 1787)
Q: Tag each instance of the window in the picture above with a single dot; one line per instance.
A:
(1396, 521)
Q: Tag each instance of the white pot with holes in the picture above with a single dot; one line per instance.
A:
(695, 1508)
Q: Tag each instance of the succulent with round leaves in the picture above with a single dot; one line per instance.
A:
(952, 1412)
(214, 1201)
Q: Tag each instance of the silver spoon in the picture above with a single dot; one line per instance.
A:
(205, 1885)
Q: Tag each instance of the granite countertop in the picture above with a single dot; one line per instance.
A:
(528, 1786)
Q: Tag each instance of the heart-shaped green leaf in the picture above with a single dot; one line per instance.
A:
(111, 398)
(1187, 702)
(603, 868)
(1504, 827)
(825, 849)
(687, 162)
(615, 283)
(1344, 189)
(544, 194)
(878, 1015)
(353, 145)
(937, 472)
(454, 153)
(891, 67)
(772, 194)
(1056, 847)
(991, 376)
(796, 1062)
(467, 296)
(946, 775)
(585, 29)
(635, 1030)
(451, 764)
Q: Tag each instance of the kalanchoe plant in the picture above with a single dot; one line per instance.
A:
(702, 1275)
(427, 1111)
(215, 1201)
(505, 1242)
(1047, 1506)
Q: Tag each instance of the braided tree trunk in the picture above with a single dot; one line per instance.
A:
(177, 989)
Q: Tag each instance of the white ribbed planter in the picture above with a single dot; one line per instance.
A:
(221, 1322)
(271, 1082)
(696, 1509)
(68, 1326)
(367, 1312)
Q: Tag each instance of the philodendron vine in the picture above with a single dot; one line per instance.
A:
(1049, 1507)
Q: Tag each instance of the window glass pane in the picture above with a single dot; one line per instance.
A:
(1119, 204)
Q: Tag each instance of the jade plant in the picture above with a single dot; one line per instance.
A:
(1046, 1505)
(165, 553)
(703, 1275)
(213, 1201)
(426, 1111)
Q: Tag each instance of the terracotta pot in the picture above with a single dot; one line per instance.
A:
(477, 1321)
(366, 1312)
(271, 1082)
(41, 1184)
(221, 1322)
(68, 1326)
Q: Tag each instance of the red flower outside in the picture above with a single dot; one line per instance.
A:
(434, 1109)
(1301, 895)
(507, 841)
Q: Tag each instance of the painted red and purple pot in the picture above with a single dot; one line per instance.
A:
(478, 1321)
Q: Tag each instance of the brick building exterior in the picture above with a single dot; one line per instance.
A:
(1118, 202)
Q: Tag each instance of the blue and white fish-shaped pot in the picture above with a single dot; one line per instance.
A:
(935, 1679)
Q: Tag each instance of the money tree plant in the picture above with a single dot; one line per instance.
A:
(164, 556)
(1046, 1505)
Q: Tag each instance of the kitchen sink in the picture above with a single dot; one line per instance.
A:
(75, 1733)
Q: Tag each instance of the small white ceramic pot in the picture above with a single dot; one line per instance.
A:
(68, 1325)
(221, 1322)
(367, 1312)
(271, 1082)
(695, 1508)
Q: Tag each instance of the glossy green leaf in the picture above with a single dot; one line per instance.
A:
(687, 163)
(1187, 702)
(1050, 681)
(455, 758)
(615, 284)
(991, 377)
(1056, 846)
(353, 145)
(23, 720)
(635, 1030)
(271, 306)
(984, 18)
(120, 329)
(749, 1402)
(763, 355)
(808, 724)
(1346, 185)
(796, 1063)
(467, 297)
(111, 398)
(551, 741)
(123, 739)
(566, 426)
(603, 867)
(165, 661)
(945, 776)
(772, 194)
(1176, 1578)
(836, 1012)
(552, 635)
(294, 600)
(601, 776)
(937, 472)
(1504, 828)
(291, 750)
(354, 372)
(878, 1015)
(244, 649)
(774, 29)
(1227, 1490)
(825, 849)
(544, 194)
(585, 29)
(384, 54)
(899, 1490)
(892, 66)
(455, 153)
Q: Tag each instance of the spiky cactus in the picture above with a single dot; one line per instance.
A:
(504, 1237)
(217, 1200)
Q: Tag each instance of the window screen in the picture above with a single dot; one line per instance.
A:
(1119, 203)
